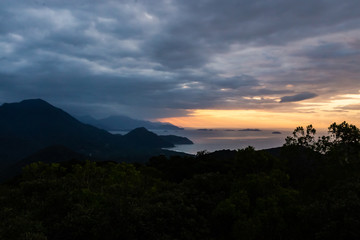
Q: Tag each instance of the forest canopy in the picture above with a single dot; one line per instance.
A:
(307, 189)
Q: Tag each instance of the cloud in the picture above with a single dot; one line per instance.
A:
(298, 97)
(172, 56)
(332, 50)
(212, 27)
(355, 107)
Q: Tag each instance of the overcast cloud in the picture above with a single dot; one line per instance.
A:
(153, 59)
(298, 97)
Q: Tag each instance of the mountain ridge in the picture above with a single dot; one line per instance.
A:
(28, 126)
(125, 123)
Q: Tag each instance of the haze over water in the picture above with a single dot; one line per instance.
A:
(219, 139)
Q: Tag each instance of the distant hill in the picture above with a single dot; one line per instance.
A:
(249, 130)
(37, 124)
(124, 123)
(31, 125)
(142, 136)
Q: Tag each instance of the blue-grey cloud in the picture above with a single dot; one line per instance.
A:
(325, 51)
(298, 97)
(160, 58)
(211, 27)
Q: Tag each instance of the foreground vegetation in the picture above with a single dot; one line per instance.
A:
(308, 189)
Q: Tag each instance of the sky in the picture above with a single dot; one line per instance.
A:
(203, 63)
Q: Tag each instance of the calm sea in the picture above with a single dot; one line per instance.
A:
(218, 139)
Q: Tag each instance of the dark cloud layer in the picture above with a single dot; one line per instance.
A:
(160, 58)
(298, 97)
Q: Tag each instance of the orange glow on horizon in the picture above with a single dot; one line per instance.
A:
(201, 118)
(320, 114)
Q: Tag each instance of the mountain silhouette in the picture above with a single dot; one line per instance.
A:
(124, 123)
(176, 139)
(38, 121)
(31, 125)
(141, 136)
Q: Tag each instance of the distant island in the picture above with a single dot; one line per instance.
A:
(205, 129)
(276, 132)
(250, 130)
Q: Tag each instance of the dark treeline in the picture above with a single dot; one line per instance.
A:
(308, 189)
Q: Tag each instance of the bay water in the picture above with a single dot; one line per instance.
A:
(233, 139)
